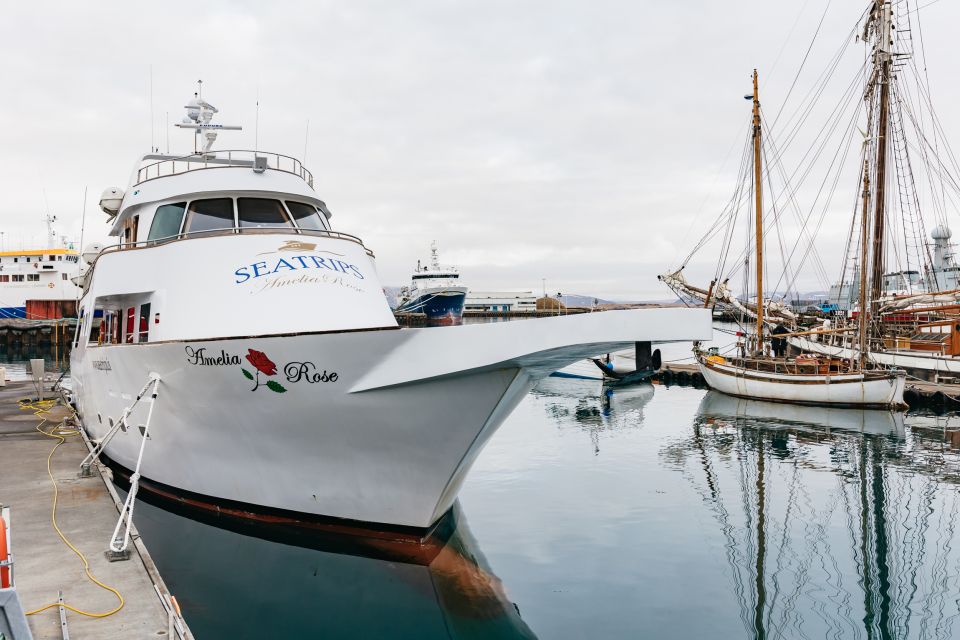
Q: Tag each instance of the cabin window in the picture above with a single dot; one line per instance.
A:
(4, 278)
(114, 327)
(144, 331)
(64, 276)
(128, 334)
(209, 215)
(33, 277)
(51, 258)
(17, 278)
(306, 216)
(167, 221)
(95, 323)
(79, 330)
(254, 213)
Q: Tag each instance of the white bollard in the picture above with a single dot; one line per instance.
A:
(3, 376)
(36, 372)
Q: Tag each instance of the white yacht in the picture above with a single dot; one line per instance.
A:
(37, 274)
(253, 344)
(435, 291)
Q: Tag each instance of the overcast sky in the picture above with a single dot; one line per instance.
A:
(582, 142)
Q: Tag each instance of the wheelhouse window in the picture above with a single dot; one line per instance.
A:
(209, 215)
(306, 216)
(33, 277)
(17, 278)
(261, 213)
(167, 220)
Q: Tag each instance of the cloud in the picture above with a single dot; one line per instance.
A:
(579, 142)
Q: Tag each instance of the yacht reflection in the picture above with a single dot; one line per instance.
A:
(851, 498)
(235, 579)
(593, 407)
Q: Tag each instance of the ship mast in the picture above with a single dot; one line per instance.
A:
(882, 64)
(864, 235)
(758, 189)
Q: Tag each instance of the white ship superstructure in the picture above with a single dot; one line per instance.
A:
(282, 380)
(38, 274)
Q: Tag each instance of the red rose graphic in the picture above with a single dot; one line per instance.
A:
(260, 360)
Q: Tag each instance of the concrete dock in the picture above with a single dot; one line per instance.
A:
(87, 512)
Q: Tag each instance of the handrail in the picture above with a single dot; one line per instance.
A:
(215, 160)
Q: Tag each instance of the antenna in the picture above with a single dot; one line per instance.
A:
(306, 139)
(199, 114)
(166, 120)
(152, 121)
(83, 225)
(256, 125)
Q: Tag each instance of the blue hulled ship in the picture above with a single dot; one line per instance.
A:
(434, 291)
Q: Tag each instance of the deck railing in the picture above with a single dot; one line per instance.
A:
(144, 244)
(220, 159)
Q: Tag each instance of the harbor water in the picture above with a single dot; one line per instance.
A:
(642, 512)
(662, 512)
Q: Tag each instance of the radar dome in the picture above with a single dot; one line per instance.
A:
(941, 232)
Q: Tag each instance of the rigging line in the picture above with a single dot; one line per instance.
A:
(717, 224)
(917, 9)
(706, 197)
(795, 209)
(943, 171)
(808, 169)
(786, 40)
(826, 130)
(918, 126)
(824, 135)
(903, 158)
(923, 55)
(938, 125)
(838, 161)
(803, 62)
(818, 86)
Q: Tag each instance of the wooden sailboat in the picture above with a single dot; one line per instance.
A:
(802, 380)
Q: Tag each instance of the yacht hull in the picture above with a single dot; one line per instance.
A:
(853, 389)
(376, 426)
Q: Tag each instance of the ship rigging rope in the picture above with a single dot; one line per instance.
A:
(807, 164)
(61, 432)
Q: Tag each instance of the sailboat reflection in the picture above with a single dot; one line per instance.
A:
(853, 499)
(719, 406)
(235, 579)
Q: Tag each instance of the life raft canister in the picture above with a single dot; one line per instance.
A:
(4, 556)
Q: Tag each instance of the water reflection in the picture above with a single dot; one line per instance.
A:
(593, 407)
(15, 358)
(289, 584)
(836, 523)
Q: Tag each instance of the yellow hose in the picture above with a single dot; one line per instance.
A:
(61, 432)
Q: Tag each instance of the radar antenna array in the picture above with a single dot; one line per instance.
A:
(199, 114)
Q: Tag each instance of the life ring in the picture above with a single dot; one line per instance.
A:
(4, 556)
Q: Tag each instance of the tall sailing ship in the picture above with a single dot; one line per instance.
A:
(753, 372)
